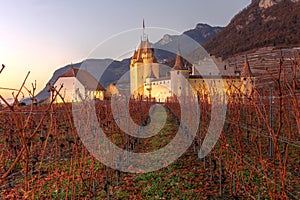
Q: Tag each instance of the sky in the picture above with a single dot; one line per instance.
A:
(41, 36)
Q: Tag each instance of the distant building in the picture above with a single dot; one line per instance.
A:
(111, 90)
(78, 85)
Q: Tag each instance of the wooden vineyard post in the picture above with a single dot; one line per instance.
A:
(199, 124)
(233, 184)
(271, 145)
(127, 128)
(220, 180)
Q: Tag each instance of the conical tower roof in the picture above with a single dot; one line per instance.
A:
(146, 44)
(135, 55)
(151, 76)
(179, 65)
(246, 72)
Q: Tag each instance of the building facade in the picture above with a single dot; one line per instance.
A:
(78, 85)
(147, 82)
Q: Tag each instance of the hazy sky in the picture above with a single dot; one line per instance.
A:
(43, 35)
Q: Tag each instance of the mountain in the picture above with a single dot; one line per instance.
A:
(263, 23)
(203, 32)
(116, 69)
(200, 34)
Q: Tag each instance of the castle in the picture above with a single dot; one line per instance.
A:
(148, 80)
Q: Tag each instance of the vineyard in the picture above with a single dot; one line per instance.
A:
(256, 156)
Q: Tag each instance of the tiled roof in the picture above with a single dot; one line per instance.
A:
(84, 77)
(179, 65)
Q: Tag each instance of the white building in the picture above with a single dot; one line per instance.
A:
(78, 85)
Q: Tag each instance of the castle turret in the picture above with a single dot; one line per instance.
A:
(142, 64)
(247, 79)
(179, 76)
(179, 64)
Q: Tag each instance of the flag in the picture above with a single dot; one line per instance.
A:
(143, 24)
(3, 66)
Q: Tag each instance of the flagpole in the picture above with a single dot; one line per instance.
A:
(143, 29)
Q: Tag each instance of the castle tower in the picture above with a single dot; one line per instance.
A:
(247, 79)
(142, 64)
(179, 77)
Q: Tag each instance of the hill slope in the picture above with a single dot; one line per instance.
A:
(262, 23)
